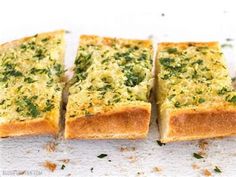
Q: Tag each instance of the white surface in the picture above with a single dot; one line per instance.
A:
(183, 21)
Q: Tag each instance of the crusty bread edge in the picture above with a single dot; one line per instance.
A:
(124, 123)
(94, 39)
(199, 124)
(164, 45)
(34, 126)
(24, 39)
(29, 127)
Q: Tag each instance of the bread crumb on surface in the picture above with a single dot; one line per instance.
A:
(203, 144)
(195, 166)
(132, 159)
(206, 172)
(126, 149)
(51, 146)
(64, 160)
(156, 169)
(50, 166)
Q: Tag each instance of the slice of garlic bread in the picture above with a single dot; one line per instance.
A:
(195, 97)
(109, 93)
(31, 84)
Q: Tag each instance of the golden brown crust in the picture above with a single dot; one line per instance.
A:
(17, 42)
(93, 39)
(197, 125)
(129, 123)
(185, 45)
(30, 127)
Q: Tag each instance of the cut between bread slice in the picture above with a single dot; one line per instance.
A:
(109, 92)
(31, 84)
(194, 93)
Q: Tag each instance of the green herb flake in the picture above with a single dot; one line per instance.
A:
(29, 80)
(177, 104)
(222, 91)
(217, 169)
(39, 54)
(59, 69)
(45, 39)
(101, 156)
(49, 106)
(160, 143)
(172, 50)
(62, 167)
(201, 100)
(199, 62)
(27, 103)
(233, 99)
(2, 102)
(166, 61)
(197, 156)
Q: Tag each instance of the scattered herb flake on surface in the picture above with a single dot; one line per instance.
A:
(160, 143)
(197, 156)
(217, 170)
(91, 169)
(63, 166)
(102, 156)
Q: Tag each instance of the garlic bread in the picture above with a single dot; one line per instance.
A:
(31, 84)
(109, 92)
(195, 96)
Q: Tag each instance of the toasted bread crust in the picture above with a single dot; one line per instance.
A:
(128, 123)
(17, 42)
(185, 45)
(186, 125)
(93, 39)
(30, 127)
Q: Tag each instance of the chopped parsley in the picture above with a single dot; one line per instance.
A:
(217, 169)
(199, 62)
(2, 102)
(223, 91)
(177, 104)
(49, 106)
(63, 167)
(197, 156)
(160, 143)
(45, 39)
(233, 99)
(39, 54)
(27, 104)
(143, 56)
(166, 61)
(83, 62)
(29, 80)
(172, 50)
(201, 100)
(101, 156)
(59, 69)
